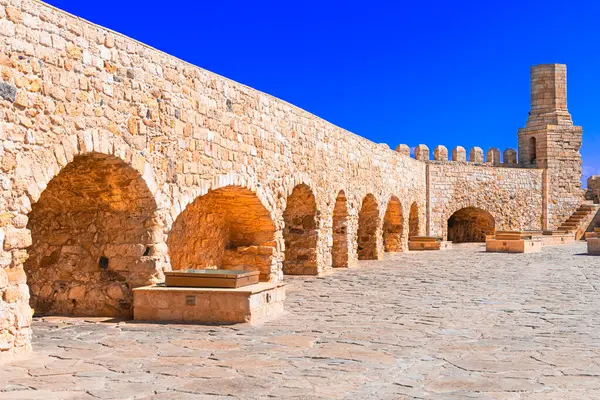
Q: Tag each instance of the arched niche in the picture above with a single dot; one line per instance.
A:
(340, 248)
(368, 225)
(227, 228)
(469, 225)
(392, 226)
(93, 231)
(300, 232)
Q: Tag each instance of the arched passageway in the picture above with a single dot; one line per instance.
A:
(93, 230)
(392, 226)
(227, 228)
(413, 221)
(470, 224)
(300, 232)
(368, 224)
(339, 251)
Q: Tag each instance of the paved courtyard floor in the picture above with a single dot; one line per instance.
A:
(461, 324)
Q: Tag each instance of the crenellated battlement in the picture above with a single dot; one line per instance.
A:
(459, 155)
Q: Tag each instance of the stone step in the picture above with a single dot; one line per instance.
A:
(571, 222)
(565, 230)
(574, 224)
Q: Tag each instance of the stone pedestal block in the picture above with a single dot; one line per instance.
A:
(513, 246)
(593, 246)
(557, 238)
(417, 243)
(253, 304)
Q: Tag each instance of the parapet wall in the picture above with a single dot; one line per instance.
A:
(459, 154)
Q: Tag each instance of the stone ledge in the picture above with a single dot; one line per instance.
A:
(253, 304)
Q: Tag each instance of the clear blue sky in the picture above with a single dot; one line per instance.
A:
(432, 72)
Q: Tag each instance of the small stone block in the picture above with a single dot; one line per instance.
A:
(513, 246)
(593, 245)
(420, 243)
(253, 304)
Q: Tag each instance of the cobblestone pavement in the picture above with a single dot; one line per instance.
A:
(461, 324)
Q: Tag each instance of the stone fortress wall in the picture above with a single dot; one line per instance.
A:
(119, 162)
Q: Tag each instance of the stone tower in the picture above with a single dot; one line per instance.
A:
(551, 142)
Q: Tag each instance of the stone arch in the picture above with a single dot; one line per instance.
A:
(392, 226)
(94, 231)
(470, 224)
(227, 228)
(340, 248)
(532, 150)
(300, 232)
(181, 200)
(414, 227)
(368, 225)
(486, 205)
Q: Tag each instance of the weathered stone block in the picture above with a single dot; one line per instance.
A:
(510, 157)
(8, 92)
(593, 245)
(403, 150)
(13, 14)
(459, 154)
(476, 155)
(12, 294)
(253, 304)
(440, 153)
(16, 275)
(493, 156)
(16, 238)
(5, 218)
(421, 243)
(422, 153)
(513, 246)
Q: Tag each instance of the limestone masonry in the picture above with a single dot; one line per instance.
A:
(119, 162)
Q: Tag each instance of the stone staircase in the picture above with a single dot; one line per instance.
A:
(581, 219)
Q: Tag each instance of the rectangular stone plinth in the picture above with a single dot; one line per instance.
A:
(593, 245)
(417, 243)
(513, 246)
(556, 238)
(254, 304)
